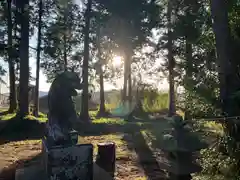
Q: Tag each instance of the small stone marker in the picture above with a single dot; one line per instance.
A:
(106, 157)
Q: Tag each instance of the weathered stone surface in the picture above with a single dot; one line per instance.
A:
(36, 172)
(68, 162)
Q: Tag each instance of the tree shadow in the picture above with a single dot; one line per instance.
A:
(99, 129)
(3, 113)
(16, 129)
(145, 155)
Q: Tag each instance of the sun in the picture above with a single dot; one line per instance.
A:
(117, 61)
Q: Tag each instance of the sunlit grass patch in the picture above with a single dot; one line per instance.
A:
(159, 102)
(41, 119)
(7, 116)
(3, 109)
(92, 113)
(121, 149)
(214, 127)
(141, 178)
(25, 142)
(108, 121)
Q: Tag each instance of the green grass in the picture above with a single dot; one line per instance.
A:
(123, 133)
(41, 118)
(214, 127)
(7, 116)
(160, 102)
(108, 121)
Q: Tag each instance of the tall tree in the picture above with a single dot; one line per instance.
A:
(12, 78)
(129, 26)
(223, 45)
(36, 96)
(102, 109)
(24, 58)
(84, 107)
(62, 38)
(171, 61)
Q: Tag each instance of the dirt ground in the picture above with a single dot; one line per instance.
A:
(129, 165)
(137, 154)
(14, 155)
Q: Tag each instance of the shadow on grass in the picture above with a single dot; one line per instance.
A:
(3, 113)
(16, 129)
(145, 155)
(98, 129)
(134, 139)
(8, 173)
(121, 126)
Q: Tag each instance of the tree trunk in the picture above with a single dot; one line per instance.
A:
(102, 109)
(65, 51)
(36, 96)
(84, 107)
(12, 78)
(127, 86)
(189, 73)
(24, 60)
(171, 61)
(189, 57)
(65, 39)
(125, 77)
(225, 70)
(223, 43)
(129, 81)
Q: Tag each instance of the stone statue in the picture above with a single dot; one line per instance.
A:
(61, 107)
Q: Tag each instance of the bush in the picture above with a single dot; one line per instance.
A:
(155, 101)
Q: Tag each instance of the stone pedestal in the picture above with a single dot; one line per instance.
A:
(70, 161)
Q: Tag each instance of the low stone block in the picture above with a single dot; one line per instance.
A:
(68, 162)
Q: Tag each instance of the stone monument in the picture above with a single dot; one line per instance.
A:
(63, 157)
(180, 146)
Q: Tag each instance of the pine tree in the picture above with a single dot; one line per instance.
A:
(23, 7)
(128, 26)
(85, 94)
(12, 95)
(62, 39)
(36, 95)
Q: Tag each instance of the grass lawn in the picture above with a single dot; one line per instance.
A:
(138, 154)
